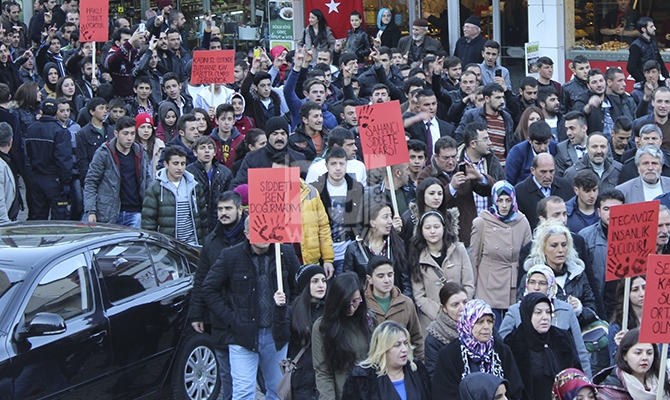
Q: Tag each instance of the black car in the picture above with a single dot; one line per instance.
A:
(91, 312)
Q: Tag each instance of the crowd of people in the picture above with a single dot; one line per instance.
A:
(485, 279)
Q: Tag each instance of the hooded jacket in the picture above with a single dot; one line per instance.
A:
(159, 209)
(225, 149)
(102, 187)
(254, 108)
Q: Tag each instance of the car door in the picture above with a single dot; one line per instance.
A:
(140, 303)
(75, 362)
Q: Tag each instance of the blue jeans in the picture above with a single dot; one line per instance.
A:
(337, 266)
(244, 363)
(222, 356)
(131, 219)
(76, 200)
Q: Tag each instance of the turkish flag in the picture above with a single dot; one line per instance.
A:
(337, 14)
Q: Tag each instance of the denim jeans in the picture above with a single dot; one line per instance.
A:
(76, 200)
(131, 219)
(244, 363)
(222, 356)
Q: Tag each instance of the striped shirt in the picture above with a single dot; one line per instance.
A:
(185, 227)
(496, 129)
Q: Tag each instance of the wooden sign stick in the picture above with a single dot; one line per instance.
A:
(389, 175)
(626, 304)
(280, 281)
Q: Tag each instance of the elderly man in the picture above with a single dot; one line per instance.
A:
(596, 160)
(650, 183)
(415, 45)
(469, 47)
(663, 236)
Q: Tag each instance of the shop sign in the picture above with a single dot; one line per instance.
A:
(281, 20)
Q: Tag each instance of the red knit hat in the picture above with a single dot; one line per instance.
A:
(143, 118)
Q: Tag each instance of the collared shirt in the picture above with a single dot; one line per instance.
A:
(481, 202)
(546, 192)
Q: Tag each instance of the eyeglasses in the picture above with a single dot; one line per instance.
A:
(356, 302)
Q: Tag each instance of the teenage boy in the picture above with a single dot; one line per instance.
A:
(342, 197)
(581, 208)
(226, 136)
(142, 103)
(175, 204)
(214, 178)
(310, 137)
(417, 159)
(570, 90)
(76, 184)
(344, 138)
(92, 135)
(117, 179)
(117, 109)
(387, 303)
(187, 127)
(173, 93)
(264, 102)
(545, 69)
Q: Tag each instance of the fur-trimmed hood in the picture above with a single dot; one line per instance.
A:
(455, 215)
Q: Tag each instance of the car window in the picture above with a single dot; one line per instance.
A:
(168, 265)
(65, 290)
(126, 270)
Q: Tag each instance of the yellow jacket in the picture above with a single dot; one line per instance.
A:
(317, 242)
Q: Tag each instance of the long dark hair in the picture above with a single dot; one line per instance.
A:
(26, 96)
(339, 352)
(316, 39)
(301, 322)
(630, 339)
(617, 316)
(203, 112)
(371, 211)
(420, 195)
(250, 138)
(151, 142)
(419, 243)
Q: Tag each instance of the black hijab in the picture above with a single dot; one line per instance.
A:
(538, 342)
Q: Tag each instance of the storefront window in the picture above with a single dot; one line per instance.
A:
(399, 8)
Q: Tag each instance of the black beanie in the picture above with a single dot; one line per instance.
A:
(306, 273)
(275, 124)
(474, 20)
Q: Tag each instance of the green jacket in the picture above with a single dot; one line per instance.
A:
(159, 209)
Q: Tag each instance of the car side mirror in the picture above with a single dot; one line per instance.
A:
(42, 324)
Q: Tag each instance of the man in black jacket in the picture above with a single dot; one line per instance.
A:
(49, 155)
(276, 129)
(643, 49)
(228, 232)
(570, 90)
(242, 295)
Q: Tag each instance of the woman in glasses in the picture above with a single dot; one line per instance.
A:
(340, 337)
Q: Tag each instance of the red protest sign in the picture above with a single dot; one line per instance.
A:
(631, 238)
(213, 66)
(656, 310)
(274, 205)
(382, 135)
(93, 20)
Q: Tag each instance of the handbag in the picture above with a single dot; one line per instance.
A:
(287, 367)
(595, 336)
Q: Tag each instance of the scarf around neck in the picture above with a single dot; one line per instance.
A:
(443, 328)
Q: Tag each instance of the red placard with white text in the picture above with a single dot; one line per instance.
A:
(382, 134)
(93, 20)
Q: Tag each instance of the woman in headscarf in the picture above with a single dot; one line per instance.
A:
(388, 34)
(481, 386)
(572, 384)
(50, 74)
(540, 349)
(279, 51)
(476, 350)
(540, 279)
(497, 236)
(634, 375)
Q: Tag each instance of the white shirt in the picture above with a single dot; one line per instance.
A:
(434, 130)
(355, 169)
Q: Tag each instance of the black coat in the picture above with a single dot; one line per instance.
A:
(391, 35)
(220, 182)
(303, 380)
(49, 149)
(449, 368)
(418, 131)
(563, 347)
(621, 106)
(470, 52)
(260, 158)
(530, 195)
(212, 246)
(364, 384)
(9, 75)
(229, 290)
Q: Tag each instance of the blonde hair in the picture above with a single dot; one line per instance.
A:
(383, 339)
(541, 235)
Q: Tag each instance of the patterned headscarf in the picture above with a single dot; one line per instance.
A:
(500, 188)
(471, 348)
(551, 279)
(568, 382)
(381, 25)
